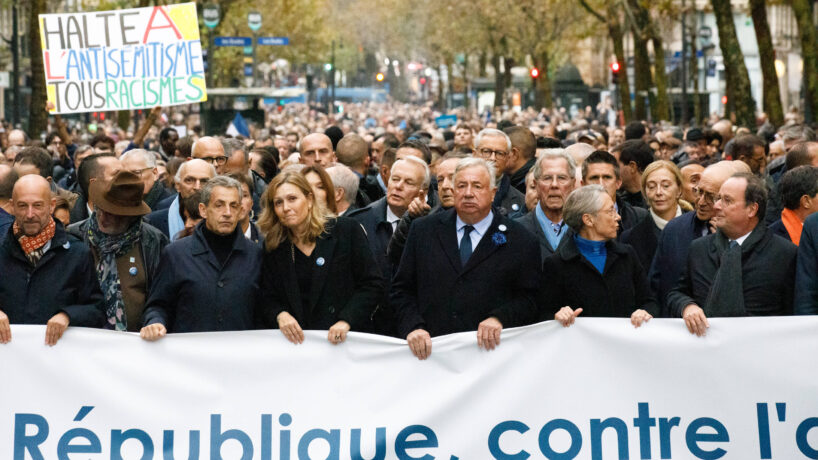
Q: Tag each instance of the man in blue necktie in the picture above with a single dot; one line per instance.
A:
(465, 269)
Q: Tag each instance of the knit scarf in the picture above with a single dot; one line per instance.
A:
(33, 245)
(793, 225)
(110, 247)
(726, 297)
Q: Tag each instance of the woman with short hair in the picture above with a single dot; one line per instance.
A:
(662, 189)
(592, 272)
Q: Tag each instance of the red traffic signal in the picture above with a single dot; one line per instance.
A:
(614, 67)
(535, 72)
(422, 80)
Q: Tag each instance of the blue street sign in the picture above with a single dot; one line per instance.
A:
(273, 41)
(248, 70)
(233, 41)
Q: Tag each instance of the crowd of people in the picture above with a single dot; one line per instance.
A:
(378, 220)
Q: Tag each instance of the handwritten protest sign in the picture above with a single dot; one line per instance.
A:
(125, 59)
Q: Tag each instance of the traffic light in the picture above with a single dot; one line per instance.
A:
(328, 66)
(534, 72)
(422, 81)
(614, 73)
(379, 76)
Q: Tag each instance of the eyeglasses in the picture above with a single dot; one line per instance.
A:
(487, 153)
(191, 181)
(139, 172)
(610, 211)
(218, 161)
(561, 179)
(709, 197)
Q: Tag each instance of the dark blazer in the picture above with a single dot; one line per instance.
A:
(194, 293)
(346, 285)
(158, 196)
(6, 221)
(432, 291)
(617, 292)
(508, 200)
(378, 233)
(530, 223)
(643, 238)
(670, 256)
(806, 274)
(630, 215)
(165, 202)
(64, 280)
(80, 210)
(151, 244)
(767, 274)
(779, 229)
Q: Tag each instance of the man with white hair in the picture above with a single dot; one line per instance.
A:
(494, 146)
(555, 179)
(408, 180)
(465, 269)
(190, 178)
(346, 183)
(143, 163)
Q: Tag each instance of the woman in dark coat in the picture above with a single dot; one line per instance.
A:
(318, 271)
(591, 272)
(662, 188)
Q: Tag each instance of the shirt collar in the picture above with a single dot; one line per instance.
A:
(480, 227)
(740, 240)
(391, 217)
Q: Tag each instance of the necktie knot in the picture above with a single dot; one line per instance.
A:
(733, 244)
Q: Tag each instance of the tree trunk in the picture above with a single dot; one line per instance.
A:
(38, 118)
(542, 94)
(659, 74)
(499, 81)
(766, 55)
(739, 95)
(809, 49)
(123, 119)
(482, 63)
(441, 100)
(617, 36)
(698, 116)
(641, 70)
(466, 99)
(644, 81)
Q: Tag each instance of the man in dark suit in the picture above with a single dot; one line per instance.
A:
(210, 280)
(806, 275)
(408, 180)
(554, 175)
(671, 250)
(466, 268)
(730, 273)
(602, 168)
(190, 178)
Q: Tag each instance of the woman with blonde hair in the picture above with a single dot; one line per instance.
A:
(318, 271)
(662, 188)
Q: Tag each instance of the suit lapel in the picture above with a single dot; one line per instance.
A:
(322, 255)
(447, 235)
(486, 247)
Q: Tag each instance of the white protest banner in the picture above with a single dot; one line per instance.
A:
(597, 390)
(124, 59)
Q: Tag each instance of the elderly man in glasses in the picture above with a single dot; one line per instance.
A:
(494, 146)
(190, 178)
(671, 251)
